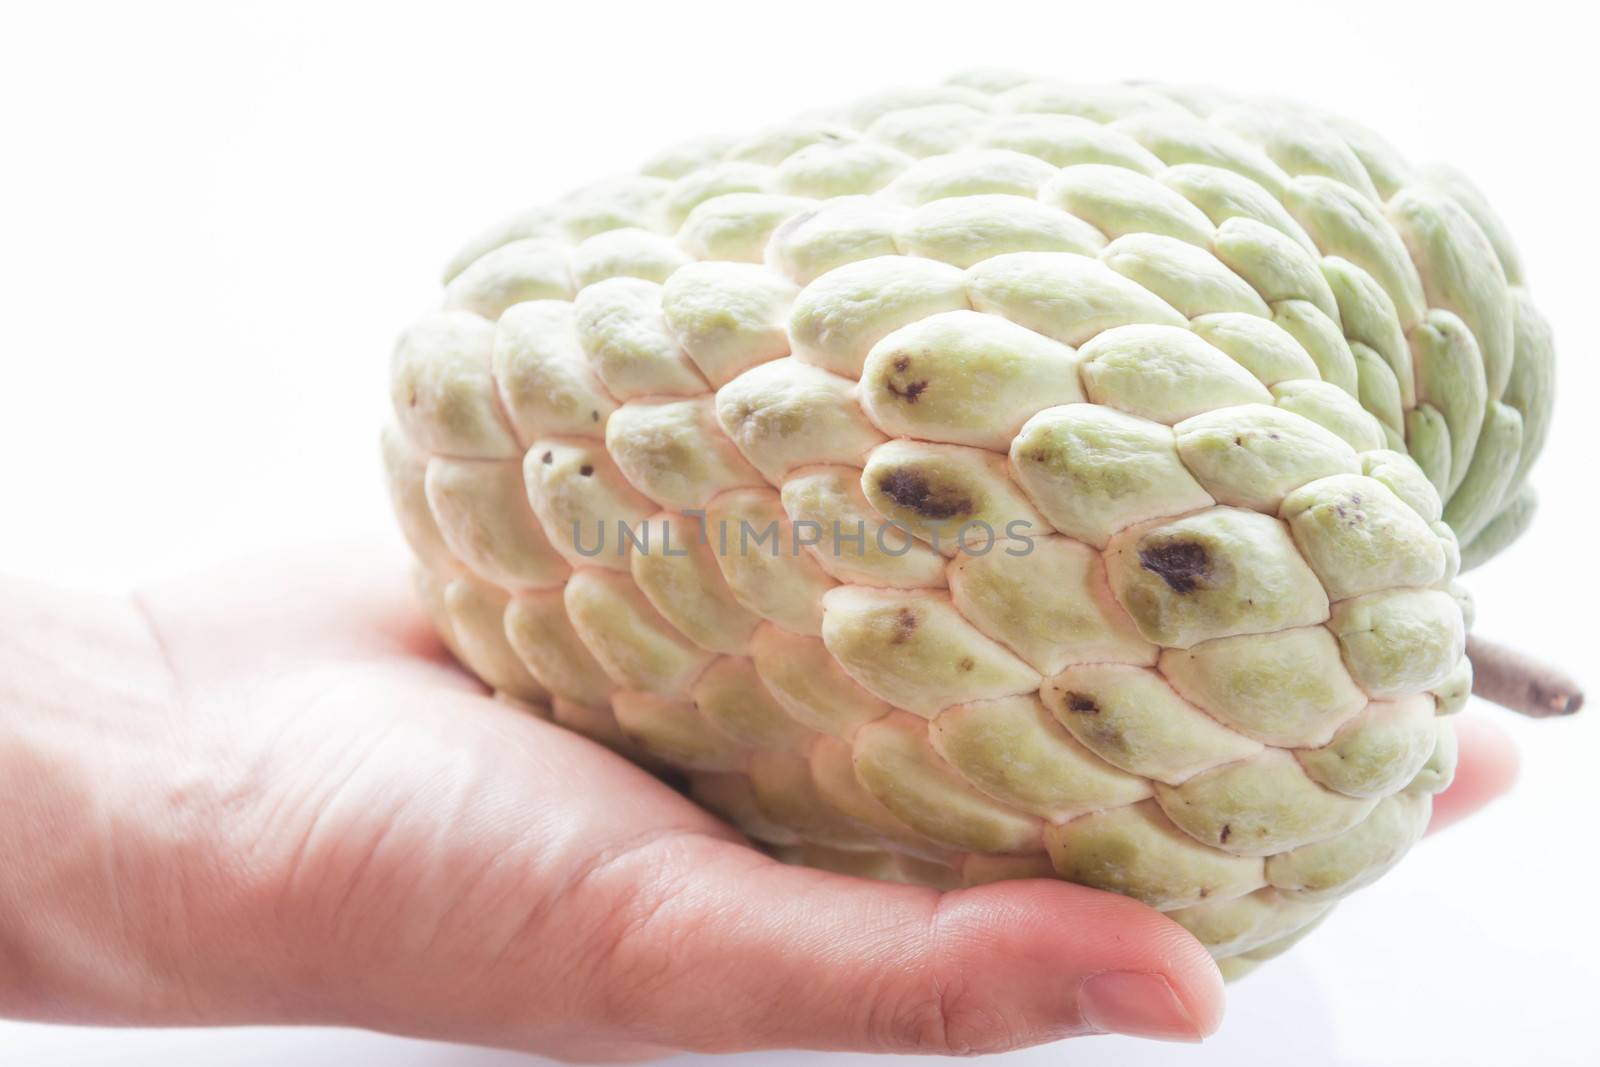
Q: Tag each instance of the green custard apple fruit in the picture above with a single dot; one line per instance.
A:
(1004, 479)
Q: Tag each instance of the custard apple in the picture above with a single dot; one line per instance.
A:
(1004, 479)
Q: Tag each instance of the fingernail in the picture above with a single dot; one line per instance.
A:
(1139, 1005)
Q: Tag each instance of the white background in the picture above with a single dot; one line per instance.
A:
(213, 220)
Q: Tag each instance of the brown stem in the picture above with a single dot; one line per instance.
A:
(1520, 682)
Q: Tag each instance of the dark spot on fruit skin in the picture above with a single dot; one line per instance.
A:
(548, 457)
(594, 416)
(411, 398)
(1272, 436)
(1181, 564)
(1238, 440)
(905, 624)
(1081, 704)
(966, 663)
(1350, 510)
(910, 393)
(911, 489)
(1205, 891)
(586, 470)
(1227, 832)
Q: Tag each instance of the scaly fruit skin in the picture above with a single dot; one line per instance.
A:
(1106, 452)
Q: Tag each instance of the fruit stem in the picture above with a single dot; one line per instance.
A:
(1519, 682)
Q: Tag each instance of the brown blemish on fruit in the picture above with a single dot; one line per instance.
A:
(1081, 704)
(586, 470)
(1344, 510)
(910, 393)
(1181, 564)
(1227, 832)
(594, 416)
(967, 663)
(548, 457)
(905, 624)
(911, 489)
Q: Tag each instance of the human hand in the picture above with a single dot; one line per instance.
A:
(265, 795)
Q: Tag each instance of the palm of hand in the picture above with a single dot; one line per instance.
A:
(427, 845)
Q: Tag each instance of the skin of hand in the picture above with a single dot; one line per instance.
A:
(265, 795)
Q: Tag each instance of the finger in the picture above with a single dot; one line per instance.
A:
(745, 953)
(1486, 768)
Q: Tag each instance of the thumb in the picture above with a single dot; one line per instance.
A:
(744, 952)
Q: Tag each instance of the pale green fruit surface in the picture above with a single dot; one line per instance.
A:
(1083, 474)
